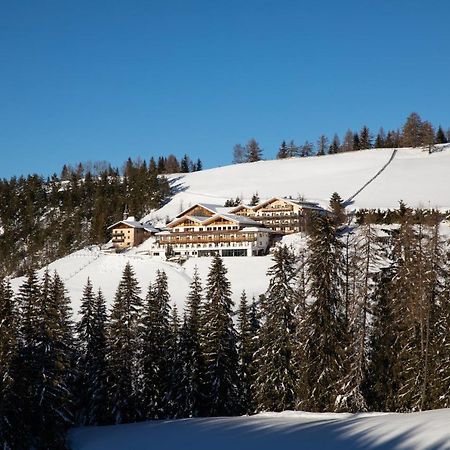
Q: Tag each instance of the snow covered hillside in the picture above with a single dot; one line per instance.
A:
(105, 270)
(288, 430)
(414, 176)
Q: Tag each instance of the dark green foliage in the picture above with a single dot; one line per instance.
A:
(283, 151)
(276, 378)
(338, 209)
(191, 396)
(155, 357)
(47, 219)
(324, 327)
(383, 370)
(255, 199)
(8, 356)
(365, 139)
(440, 136)
(45, 362)
(219, 345)
(253, 151)
(123, 349)
(248, 326)
(91, 363)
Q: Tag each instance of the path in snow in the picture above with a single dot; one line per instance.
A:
(350, 199)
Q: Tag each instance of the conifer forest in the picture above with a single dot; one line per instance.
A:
(358, 319)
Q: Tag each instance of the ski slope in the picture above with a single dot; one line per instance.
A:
(428, 430)
(413, 175)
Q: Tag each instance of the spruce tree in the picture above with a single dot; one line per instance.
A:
(155, 361)
(275, 385)
(175, 376)
(91, 362)
(246, 350)
(219, 345)
(191, 397)
(123, 349)
(283, 151)
(9, 435)
(253, 151)
(383, 370)
(46, 358)
(324, 326)
(365, 139)
(440, 136)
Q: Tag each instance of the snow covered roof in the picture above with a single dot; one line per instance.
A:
(132, 223)
(265, 230)
(242, 220)
(212, 208)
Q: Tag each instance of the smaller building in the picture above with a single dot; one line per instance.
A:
(129, 233)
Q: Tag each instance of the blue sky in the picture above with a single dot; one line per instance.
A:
(93, 80)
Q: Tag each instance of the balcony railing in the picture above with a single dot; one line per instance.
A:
(195, 240)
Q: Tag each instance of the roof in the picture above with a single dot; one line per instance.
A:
(211, 207)
(301, 203)
(243, 220)
(135, 224)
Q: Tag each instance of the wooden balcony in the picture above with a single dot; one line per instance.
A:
(284, 208)
(193, 239)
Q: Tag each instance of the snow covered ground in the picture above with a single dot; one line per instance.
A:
(428, 430)
(414, 176)
(105, 270)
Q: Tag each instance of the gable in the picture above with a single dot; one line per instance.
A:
(197, 210)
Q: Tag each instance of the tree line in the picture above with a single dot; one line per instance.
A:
(357, 320)
(415, 132)
(42, 219)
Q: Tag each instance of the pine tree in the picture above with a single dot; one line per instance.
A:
(356, 142)
(219, 345)
(155, 345)
(365, 139)
(335, 146)
(123, 349)
(91, 363)
(191, 397)
(253, 151)
(9, 436)
(440, 136)
(276, 381)
(283, 151)
(324, 326)
(255, 199)
(292, 149)
(46, 358)
(185, 163)
(380, 141)
(198, 165)
(246, 351)
(338, 209)
(382, 375)
(175, 375)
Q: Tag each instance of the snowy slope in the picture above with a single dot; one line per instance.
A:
(288, 430)
(414, 176)
(105, 269)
